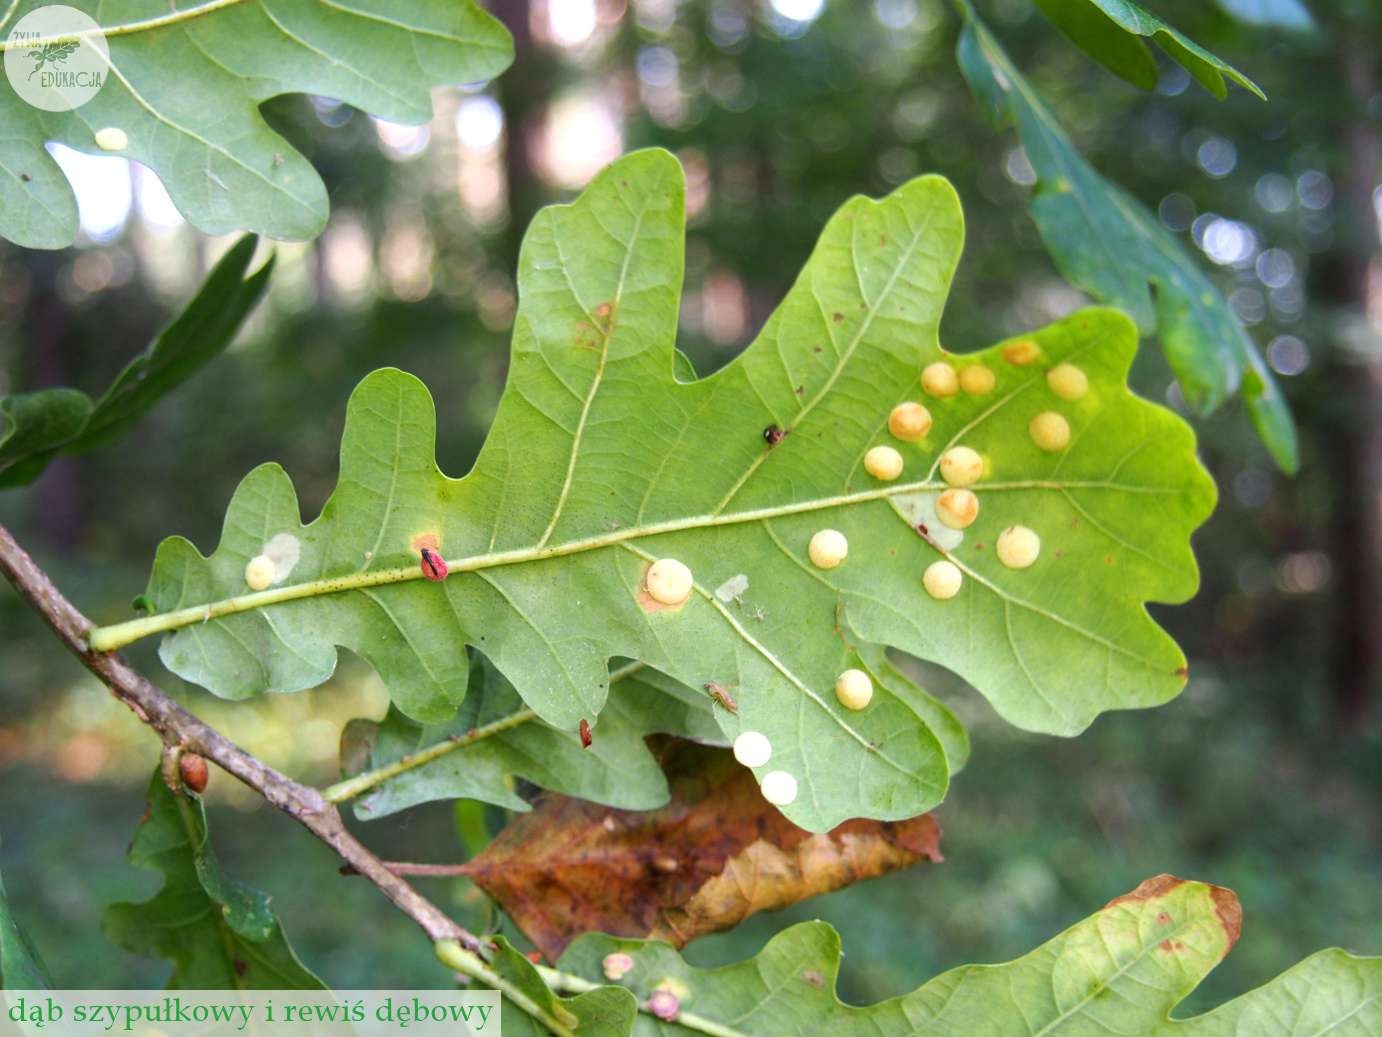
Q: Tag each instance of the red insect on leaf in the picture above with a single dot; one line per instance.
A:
(586, 737)
(433, 565)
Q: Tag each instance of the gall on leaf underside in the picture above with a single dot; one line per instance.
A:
(601, 462)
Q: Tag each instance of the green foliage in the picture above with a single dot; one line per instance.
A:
(1105, 242)
(20, 966)
(1111, 32)
(603, 1012)
(600, 462)
(218, 934)
(44, 424)
(1122, 970)
(185, 88)
(617, 769)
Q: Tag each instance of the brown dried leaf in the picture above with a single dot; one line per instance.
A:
(714, 855)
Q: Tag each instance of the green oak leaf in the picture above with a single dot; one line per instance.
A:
(185, 87)
(495, 737)
(20, 966)
(1111, 32)
(601, 462)
(218, 934)
(1121, 971)
(603, 1012)
(1107, 243)
(617, 769)
(41, 425)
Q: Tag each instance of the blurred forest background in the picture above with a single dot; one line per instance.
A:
(1264, 776)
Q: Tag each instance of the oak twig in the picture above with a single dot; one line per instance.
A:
(181, 729)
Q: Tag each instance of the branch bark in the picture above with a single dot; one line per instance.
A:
(181, 729)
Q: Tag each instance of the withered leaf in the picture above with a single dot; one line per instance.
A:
(714, 855)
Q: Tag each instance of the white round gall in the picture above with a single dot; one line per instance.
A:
(957, 508)
(939, 379)
(883, 462)
(942, 580)
(112, 138)
(753, 749)
(260, 572)
(828, 549)
(976, 379)
(669, 581)
(854, 689)
(1050, 431)
(1067, 381)
(961, 466)
(1018, 547)
(909, 422)
(779, 788)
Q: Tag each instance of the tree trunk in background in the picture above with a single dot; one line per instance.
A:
(1357, 464)
(522, 92)
(45, 329)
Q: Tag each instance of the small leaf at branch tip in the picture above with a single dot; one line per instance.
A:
(112, 138)
(854, 689)
(1021, 353)
(753, 749)
(828, 548)
(1018, 547)
(260, 572)
(1050, 431)
(942, 580)
(957, 508)
(909, 422)
(779, 788)
(977, 380)
(617, 966)
(939, 380)
(669, 581)
(1067, 381)
(961, 466)
(883, 462)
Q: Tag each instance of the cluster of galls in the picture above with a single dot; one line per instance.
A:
(957, 507)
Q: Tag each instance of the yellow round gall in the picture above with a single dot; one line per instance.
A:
(909, 422)
(669, 581)
(112, 138)
(976, 379)
(1018, 547)
(1067, 381)
(828, 549)
(1050, 431)
(961, 466)
(753, 749)
(883, 462)
(779, 788)
(942, 580)
(854, 689)
(957, 508)
(1021, 353)
(939, 379)
(260, 572)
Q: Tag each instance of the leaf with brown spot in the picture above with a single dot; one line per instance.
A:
(1121, 971)
(717, 853)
